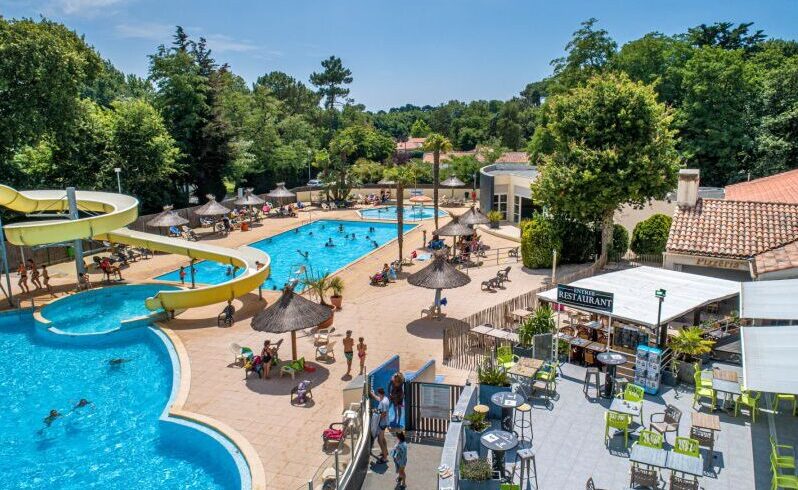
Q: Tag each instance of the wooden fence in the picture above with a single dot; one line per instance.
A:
(425, 424)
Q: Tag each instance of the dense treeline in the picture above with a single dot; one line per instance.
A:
(193, 127)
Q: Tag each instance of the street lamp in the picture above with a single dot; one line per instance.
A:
(662, 330)
(118, 179)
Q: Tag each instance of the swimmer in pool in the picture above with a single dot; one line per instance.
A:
(329, 243)
(376, 245)
(303, 254)
(310, 233)
(372, 229)
(82, 403)
(229, 271)
(340, 227)
(118, 361)
(51, 418)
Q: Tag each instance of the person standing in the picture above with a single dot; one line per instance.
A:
(382, 423)
(349, 351)
(23, 277)
(399, 455)
(34, 274)
(46, 279)
(396, 392)
(182, 275)
(361, 354)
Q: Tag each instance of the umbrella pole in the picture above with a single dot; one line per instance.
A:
(438, 302)
(293, 344)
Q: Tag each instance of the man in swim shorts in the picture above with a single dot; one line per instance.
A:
(349, 351)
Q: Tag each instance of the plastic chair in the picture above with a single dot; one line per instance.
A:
(642, 477)
(706, 382)
(701, 392)
(669, 421)
(633, 393)
(649, 438)
(505, 357)
(239, 352)
(780, 480)
(747, 399)
(617, 421)
(783, 397)
(782, 455)
(686, 446)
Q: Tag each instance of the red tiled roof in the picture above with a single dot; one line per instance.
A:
(428, 156)
(733, 229)
(781, 187)
(411, 144)
(507, 157)
(778, 259)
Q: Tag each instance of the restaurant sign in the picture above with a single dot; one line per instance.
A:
(587, 298)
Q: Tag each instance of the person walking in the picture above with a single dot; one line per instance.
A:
(34, 274)
(46, 279)
(382, 423)
(399, 455)
(361, 354)
(349, 351)
(396, 393)
(23, 277)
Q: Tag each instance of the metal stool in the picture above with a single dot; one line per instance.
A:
(592, 373)
(469, 456)
(522, 419)
(524, 461)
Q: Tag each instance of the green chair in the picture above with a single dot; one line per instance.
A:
(649, 438)
(783, 397)
(702, 392)
(633, 393)
(782, 481)
(617, 421)
(548, 379)
(293, 367)
(687, 446)
(747, 399)
(509, 486)
(505, 357)
(706, 382)
(782, 455)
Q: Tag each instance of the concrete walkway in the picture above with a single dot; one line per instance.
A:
(422, 468)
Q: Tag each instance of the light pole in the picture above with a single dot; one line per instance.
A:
(662, 331)
(118, 179)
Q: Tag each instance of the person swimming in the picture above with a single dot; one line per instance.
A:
(303, 254)
(375, 244)
(329, 243)
(82, 403)
(310, 233)
(372, 229)
(118, 361)
(296, 230)
(340, 227)
(54, 414)
(229, 271)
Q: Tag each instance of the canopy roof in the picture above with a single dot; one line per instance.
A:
(452, 182)
(168, 217)
(769, 360)
(770, 300)
(280, 191)
(454, 228)
(439, 274)
(290, 313)
(634, 289)
(473, 217)
(249, 199)
(211, 208)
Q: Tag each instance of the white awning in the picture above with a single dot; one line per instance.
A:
(770, 300)
(770, 362)
(634, 293)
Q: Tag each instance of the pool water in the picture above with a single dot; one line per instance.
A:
(210, 272)
(287, 262)
(411, 213)
(117, 442)
(101, 310)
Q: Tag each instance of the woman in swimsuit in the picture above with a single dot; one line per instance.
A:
(23, 277)
(46, 279)
(361, 354)
(34, 274)
(266, 356)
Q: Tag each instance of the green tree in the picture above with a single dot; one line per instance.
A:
(403, 175)
(346, 147)
(437, 144)
(420, 129)
(463, 167)
(620, 241)
(295, 96)
(776, 145)
(603, 145)
(539, 238)
(651, 235)
(726, 35)
(589, 51)
(656, 59)
(331, 83)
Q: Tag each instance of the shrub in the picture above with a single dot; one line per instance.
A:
(620, 241)
(478, 470)
(477, 421)
(580, 241)
(538, 238)
(542, 321)
(494, 216)
(492, 375)
(651, 235)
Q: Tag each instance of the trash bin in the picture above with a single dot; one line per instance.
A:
(245, 226)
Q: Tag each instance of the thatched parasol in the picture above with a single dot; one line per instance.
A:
(420, 199)
(249, 199)
(452, 182)
(167, 218)
(473, 217)
(290, 313)
(454, 228)
(211, 208)
(438, 275)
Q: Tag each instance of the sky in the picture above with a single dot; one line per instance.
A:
(413, 51)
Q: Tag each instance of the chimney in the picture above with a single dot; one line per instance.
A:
(687, 191)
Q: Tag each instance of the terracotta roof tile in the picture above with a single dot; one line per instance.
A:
(411, 144)
(732, 229)
(781, 187)
(781, 258)
(507, 157)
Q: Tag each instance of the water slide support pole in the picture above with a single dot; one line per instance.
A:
(4, 259)
(77, 244)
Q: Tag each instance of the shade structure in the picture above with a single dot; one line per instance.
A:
(290, 313)
(280, 192)
(421, 198)
(438, 275)
(473, 217)
(211, 208)
(769, 360)
(249, 199)
(769, 300)
(167, 218)
(454, 228)
(452, 182)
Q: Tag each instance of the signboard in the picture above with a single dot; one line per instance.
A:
(434, 401)
(586, 298)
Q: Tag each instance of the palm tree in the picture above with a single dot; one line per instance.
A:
(437, 144)
(403, 176)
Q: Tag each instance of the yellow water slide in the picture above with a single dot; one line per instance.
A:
(115, 211)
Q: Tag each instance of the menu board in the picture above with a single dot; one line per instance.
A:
(434, 401)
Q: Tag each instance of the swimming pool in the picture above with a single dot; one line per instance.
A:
(101, 310)
(411, 213)
(351, 239)
(121, 440)
(210, 272)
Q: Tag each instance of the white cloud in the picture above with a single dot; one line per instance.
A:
(82, 7)
(218, 43)
(226, 44)
(150, 31)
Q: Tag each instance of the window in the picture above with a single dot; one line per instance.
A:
(500, 204)
(517, 209)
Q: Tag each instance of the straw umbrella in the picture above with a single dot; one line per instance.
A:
(211, 208)
(454, 229)
(452, 182)
(438, 275)
(280, 192)
(167, 218)
(290, 313)
(249, 199)
(473, 217)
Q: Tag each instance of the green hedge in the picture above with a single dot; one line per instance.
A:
(620, 241)
(650, 236)
(538, 238)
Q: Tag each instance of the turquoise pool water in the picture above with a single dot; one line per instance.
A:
(210, 272)
(284, 250)
(117, 442)
(411, 213)
(101, 310)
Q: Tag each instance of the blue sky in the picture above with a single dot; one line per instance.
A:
(412, 51)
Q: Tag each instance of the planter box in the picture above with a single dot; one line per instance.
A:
(478, 485)
(686, 372)
(494, 225)
(487, 391)
(472, 439)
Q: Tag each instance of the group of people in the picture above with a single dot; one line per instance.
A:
(40, 280)
(386, 275)
(374, 199)
(393, 398)
(349, 352)
(55, 414)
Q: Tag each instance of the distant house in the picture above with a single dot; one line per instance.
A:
(781, 187)
(507, 157)
(733, 239)
(412, 144)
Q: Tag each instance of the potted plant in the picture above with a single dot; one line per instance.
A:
(336, 286)
(539, 323)
(688, 346)
(474, 424)
(477, 475)
(318, 285)
(492, 379)
(495, 217)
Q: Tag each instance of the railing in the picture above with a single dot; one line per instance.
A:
(631, 259)
(453, 444)
(493, 256)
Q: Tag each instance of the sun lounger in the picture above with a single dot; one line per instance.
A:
(325, 352)
(503, 275)
(293, 367)
(240, 353)
(189, 234)
(490, 285)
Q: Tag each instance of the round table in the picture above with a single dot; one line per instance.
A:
(507, 401)
(499, 441)
(611, 360)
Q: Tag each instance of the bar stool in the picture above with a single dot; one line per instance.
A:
(522, 419)
(483, 409)
(524, 462)
(593, 373)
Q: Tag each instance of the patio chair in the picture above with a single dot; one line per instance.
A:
(784, 397)
(503, 275)
(240, 353)
(301, 393)
(649, 438)
(701, 392)
(706, 376)
(322, 336)
(634, 393)
(679, 483)
(513, 252)
(750, 400)
(325, 352)
(293, 367)
(782, 455)
(189, 234)
(333, 434)
(617, 421)
(505, 357)
(641, 477)
(667, 421)
(490, 284)
(789, 481)
(686, 446)
(706, 438)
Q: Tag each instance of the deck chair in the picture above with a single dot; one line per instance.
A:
(189, 234)
(325, 352)
(240, 353)
(301, 393)
(503, 275)
(293, 367)
(490, 284)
